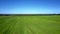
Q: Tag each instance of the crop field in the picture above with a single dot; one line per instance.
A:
(30, 24)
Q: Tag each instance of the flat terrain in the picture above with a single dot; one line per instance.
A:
(29, 24)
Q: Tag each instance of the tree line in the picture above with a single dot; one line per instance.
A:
(27, 14)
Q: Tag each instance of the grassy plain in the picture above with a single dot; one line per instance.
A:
(29, 24)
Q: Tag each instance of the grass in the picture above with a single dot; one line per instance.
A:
(29, 24)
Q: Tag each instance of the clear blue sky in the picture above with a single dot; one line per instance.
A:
(29, 6)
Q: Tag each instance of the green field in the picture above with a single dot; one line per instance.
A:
(29, 24)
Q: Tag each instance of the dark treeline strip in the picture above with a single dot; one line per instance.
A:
(27, 14)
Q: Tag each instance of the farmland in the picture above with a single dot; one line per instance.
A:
(30, 24)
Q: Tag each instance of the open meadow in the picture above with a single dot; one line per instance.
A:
(30, 24)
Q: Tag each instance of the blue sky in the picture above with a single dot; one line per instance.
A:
(29, 6)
